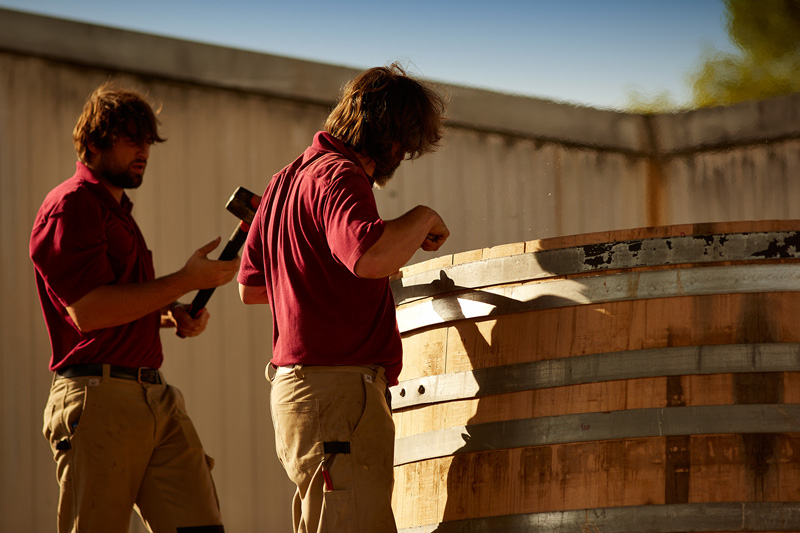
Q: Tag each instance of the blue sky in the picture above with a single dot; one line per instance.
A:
(580, 51)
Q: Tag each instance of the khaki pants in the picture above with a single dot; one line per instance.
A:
(315, 408)
(119, 444)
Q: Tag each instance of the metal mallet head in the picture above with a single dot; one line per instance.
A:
(243, 204)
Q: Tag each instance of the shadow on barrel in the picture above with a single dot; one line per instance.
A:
(473, 479)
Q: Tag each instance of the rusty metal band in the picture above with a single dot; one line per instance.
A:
(585, 427)
(754, 246)
(614, 287)
(593, 368)
(684, 517)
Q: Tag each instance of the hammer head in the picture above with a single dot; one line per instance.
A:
(243, 204)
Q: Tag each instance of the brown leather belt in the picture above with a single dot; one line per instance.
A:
(141, 374)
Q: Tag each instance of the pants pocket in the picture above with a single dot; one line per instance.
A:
(297, 430)
(64, 413)
(339, 510)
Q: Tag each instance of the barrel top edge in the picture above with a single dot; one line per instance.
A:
(601, 237)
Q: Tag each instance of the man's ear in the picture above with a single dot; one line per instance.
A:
(91, 151)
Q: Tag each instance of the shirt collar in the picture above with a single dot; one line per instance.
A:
(105, 197)
(325, 142)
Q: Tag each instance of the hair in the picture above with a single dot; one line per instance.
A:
(111, 113)
(383, 110)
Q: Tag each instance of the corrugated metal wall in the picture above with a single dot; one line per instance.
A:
(511, 169)
(750, 183)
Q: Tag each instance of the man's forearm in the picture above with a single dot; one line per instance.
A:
(401, 238)
(113, 305)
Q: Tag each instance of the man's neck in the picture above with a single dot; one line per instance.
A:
(115, 191)
(368, 163)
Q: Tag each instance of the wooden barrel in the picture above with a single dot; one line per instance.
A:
(638, 380)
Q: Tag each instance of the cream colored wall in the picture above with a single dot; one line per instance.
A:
(510, 169)
(493, 189)
(749, 183)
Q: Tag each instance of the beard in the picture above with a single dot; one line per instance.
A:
(125, 179)
(384, 172)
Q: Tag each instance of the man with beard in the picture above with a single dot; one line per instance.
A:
(120, 435)
(320, 255)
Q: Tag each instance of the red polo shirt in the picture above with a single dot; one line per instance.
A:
(82, 239)
(318, 216)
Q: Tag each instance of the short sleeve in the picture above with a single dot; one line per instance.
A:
(352, 223)
(69, 247)
(251, 270)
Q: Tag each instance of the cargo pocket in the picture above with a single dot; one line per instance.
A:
(299, 436)
(339, 512)
(64, 414)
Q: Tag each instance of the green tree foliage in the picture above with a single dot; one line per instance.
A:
(650, 103)
(767, 60)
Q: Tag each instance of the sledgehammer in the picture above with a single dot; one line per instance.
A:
(243, 204)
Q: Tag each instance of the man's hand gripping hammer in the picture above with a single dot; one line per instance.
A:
(243, 204)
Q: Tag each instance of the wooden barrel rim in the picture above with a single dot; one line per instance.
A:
(677, 518)
(754, 246)
(598, 367)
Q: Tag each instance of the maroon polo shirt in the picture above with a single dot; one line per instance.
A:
(82, 239)
(317, 218)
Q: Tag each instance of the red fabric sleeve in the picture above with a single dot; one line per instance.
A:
(252, 272)
(69, 248)
(352, 223)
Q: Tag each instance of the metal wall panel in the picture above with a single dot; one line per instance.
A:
(749, 182)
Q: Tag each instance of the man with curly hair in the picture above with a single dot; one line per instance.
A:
(320, 255)
(119, 433)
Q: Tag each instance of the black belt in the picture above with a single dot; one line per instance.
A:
(141, 374)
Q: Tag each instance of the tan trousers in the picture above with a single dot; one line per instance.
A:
(316, 408)
(119, 444)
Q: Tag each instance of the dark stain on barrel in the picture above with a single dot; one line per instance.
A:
(781, 248)
(597, 255)
(759, 448)
(757, 324)
(535, 473)
(760, 454)
(457, 476)
(758, 388)
(708, 239)
(677, 468)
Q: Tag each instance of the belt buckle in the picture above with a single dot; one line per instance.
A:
(144, 370)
